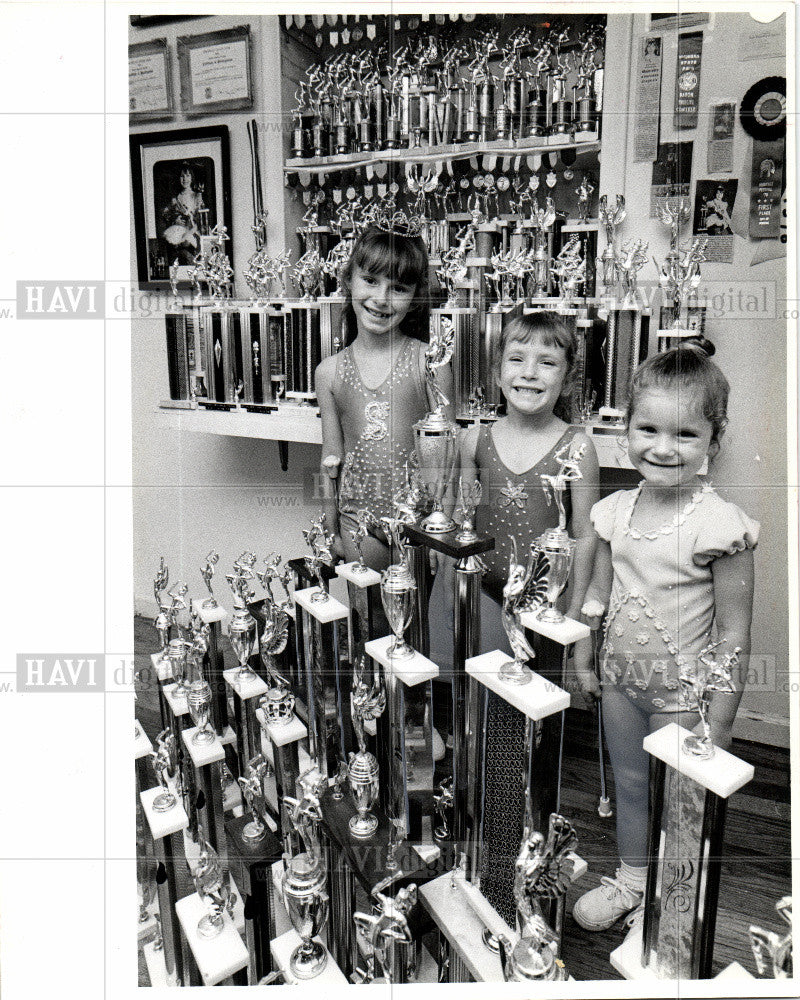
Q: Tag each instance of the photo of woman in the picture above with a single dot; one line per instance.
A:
(181, 189)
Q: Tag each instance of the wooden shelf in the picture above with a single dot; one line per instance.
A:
(289, 423)
(427, 154)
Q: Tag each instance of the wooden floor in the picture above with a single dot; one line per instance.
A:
(756, 863)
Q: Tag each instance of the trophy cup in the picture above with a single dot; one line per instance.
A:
(555, 543)
(773, 952)
(252, 785)
(679, 275)
(321, 544)
(213, 887)
(537, 90)
(561, 110)
(362, 771)
(243, 629)
(163, 763)
(698, 681)
(207, 573)
(303, 891)
(398, 592)
(178, 648)
(524, 588)
(303, 883)
(199, 695)
(435, 434)
(388, 935)
(611, 220)
(469, 498)
(532, 958)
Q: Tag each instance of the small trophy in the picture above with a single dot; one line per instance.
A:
(532, 958)
(362, 771)
(556, 544)
(544, 868)
(199, 694)
(363, 519)
(243, 627)
(252, 785)
(207, 573)
(321, 544)
(630, 261)
(443, 805)
(435, 434)
(469, 498)
(303, 883)
(388, 935)
(213, 887)
(275, 636)
(570, 269)
(698, 682)
(611, 219)
(398, 591)
(773, 952)
(525, 586)
(163, 763)
(163, 621)
(178, 648)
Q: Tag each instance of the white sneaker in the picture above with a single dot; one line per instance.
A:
(599, 908)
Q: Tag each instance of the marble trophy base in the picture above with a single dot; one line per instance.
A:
(282, 735)
(203, 754)
(563, 633)
(178, 706)
(142, 747)
(282, 948)
(156, 966)
(216, 958)
(367, 578)
(411, 670)
(246, 687)
(162, 668)
(208, 616)
(627, 961)
(327, 611)
(537, 699)
(163, 824)
(723, 774)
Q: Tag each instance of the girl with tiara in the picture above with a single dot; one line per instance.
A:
(676, 561)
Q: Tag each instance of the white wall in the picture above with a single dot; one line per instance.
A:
(193, 492)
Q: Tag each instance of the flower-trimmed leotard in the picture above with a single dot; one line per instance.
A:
(661, 612)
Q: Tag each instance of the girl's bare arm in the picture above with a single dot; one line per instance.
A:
(332, 442)
(584, 493)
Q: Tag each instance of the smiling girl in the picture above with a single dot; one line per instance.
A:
(676, 561)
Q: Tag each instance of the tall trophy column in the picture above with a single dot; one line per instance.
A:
(690, 787)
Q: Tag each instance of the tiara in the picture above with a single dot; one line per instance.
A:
(399, 224)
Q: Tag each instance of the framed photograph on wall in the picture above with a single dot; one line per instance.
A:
(181, 190)
(149, 81)
(216, 71)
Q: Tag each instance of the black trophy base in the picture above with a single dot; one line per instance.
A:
(447, 542)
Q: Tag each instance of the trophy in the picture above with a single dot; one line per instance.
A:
(524, 587)
(542, 220)
(698, 681)
(303, 883)
(398, 591)
(207, 573)
(531, 958)
(213, 887)
(340, 776)
(570, 269)
(555, 543)
(388, 935)
(537, 90)
(442, 805)
(435, 434)
(163, 621)
(629, 262)
(363, 519)
(469, 498)
(178, 648)
(243, 630)
(164, 766)
(561, 110)
(252, 785)
(584, 192)
(278, 703)
(611, 220)
(199, 694)
(362, 771)
(303, 891)
(773, 952)
(321, 545)
(679, 275)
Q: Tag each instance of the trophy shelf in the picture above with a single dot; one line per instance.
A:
(426, 154)
(300, 424)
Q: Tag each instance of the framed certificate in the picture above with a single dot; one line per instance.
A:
(216, 71)
(181, 191)
(149, 81)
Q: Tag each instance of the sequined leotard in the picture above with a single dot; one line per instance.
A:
(661, 613)
(377, 425)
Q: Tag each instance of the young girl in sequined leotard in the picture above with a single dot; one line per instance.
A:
(372, 392)
(676, 561)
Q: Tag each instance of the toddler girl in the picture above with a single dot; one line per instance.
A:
(677, 562)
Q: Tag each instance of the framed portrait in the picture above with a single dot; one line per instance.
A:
(216, 71)
(149, 81)
(181, 191)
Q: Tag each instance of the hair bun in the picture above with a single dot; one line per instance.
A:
(698, 343)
